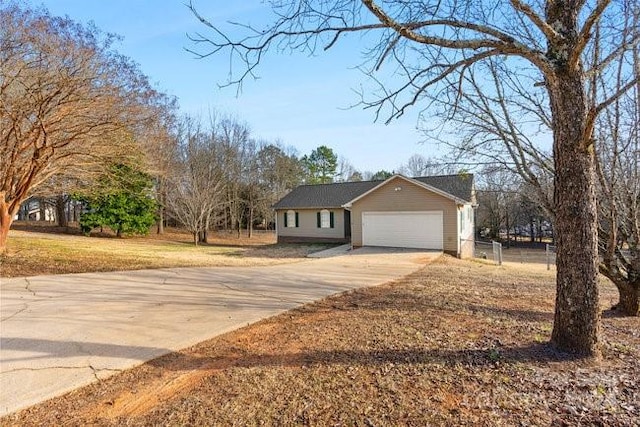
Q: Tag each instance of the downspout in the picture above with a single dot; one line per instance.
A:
(276, 224)
(459, 231)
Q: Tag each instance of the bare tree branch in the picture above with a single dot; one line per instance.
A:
(585, 32)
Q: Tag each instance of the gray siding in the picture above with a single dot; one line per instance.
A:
(410, 198)
(308, 225)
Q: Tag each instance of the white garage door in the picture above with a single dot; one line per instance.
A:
(402, 229)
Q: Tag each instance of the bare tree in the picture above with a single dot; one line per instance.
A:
(252, 191)
(196, 187)
(501, 120)
(506, 126)
(418, 165)
(159, 141)
(618, 169)
(496, 195)
(234, 136)
(344, 170)
(428, 42)
(415, 166)
(68, 102)
(279, 171)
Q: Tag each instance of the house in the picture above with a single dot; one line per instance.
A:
(434, 212)
(32, 209)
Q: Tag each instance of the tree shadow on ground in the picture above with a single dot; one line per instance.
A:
(45, 227)
(485, 357)
(284, 250)
(613, 313)
(517, 314)
(407, 300)
(29, 349)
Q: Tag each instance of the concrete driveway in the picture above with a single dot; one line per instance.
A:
(61, 332)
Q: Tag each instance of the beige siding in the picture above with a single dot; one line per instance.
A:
(308, 225)
(410, 198)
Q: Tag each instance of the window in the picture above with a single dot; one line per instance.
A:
(325, 219)
(291, 219)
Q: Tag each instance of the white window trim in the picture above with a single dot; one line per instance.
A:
(291, 219)
(325, 219)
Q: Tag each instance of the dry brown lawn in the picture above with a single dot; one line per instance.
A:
(457, 343)
(35, 250)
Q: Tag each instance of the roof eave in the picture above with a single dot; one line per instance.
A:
(306, 207)
(431, 188)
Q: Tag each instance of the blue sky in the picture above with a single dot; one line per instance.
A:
(301, 100)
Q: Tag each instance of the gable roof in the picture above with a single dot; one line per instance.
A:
(460, 186)
(324, 195)
(338, 194)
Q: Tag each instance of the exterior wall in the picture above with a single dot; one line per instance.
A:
(467, 248)
(410, 198)
(301, 239)
(467, 231)
(308, 230)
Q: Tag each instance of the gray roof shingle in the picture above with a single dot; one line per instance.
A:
(324, 195)
(460, 186)
(337, 194)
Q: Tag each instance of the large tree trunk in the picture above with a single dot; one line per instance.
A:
(161, 204)
(7, 213)
(576, 326)
(577, 315)
(5, 224)
(43, 210)
(629, 303)
(61, 212)
(160, 225)
(532, 230)
(23, 213)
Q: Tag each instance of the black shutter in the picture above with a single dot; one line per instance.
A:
(318, 220)
(285, 219)
(297, 222)
(331, 219)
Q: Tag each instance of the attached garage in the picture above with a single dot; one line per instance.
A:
(433, 213)
(421, 230)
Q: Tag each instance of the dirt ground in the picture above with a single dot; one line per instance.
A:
(457, 343)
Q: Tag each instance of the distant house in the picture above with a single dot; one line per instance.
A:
(32, 210)
(435, 212)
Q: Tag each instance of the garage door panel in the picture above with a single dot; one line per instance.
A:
(403, 229)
